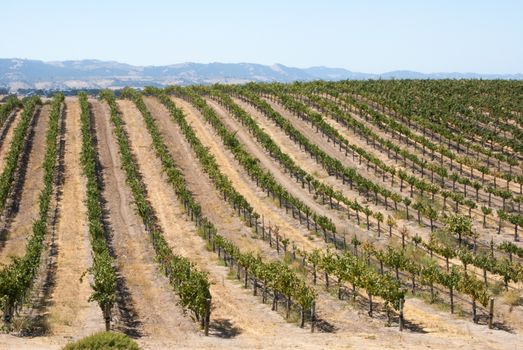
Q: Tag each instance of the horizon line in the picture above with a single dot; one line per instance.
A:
(261, 64)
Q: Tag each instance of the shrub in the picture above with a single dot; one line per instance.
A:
(104, 340)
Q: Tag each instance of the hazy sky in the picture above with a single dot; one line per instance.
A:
(369, 36)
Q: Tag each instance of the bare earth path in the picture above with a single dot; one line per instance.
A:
(338, 314)
(239, 320)
(70, 314)
(269, 164)
(230, 300)
(151, 296)
(6, 143)
(415, 312)
(28, 206)
(262, 204)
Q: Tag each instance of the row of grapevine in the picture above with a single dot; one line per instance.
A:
(250, 122)
(16, 278)
(275, 276)
(16, 148)
(513, 218)
(191, 285)
(7, 108)
(104, 275)
(415, 115)
(264, 178)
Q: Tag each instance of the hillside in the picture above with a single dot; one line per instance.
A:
(266, 215)
(33, 74)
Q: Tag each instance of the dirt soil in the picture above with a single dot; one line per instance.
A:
(149, 309)
(329, 309)
(239, 320)
(70, 315)
(417, 315)
(229, 297)
(308, 164)
(28, 205)
(6, 143)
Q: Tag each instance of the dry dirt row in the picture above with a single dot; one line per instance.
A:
(229, 298)
(7, 132)
(312, 167)
(466, 169)
(6, 143)
(343, 317)
(334, 312)
(239, 320)
(147, 304)
(414, 312)
(70, 315)
(27, 210)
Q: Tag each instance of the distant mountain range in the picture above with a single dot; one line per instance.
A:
(33, 74)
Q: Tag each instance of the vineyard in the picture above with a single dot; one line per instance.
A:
(375, 214)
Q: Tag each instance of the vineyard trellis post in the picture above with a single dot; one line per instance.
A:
(207, 316)
(491, 313)
(401, 318)
(313, 316)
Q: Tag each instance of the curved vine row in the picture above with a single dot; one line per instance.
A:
(191, 285)
(275, 276)
(16, 278)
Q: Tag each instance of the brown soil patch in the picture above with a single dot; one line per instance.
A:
(70, 314)
(237, 314)
(263, 205)
(6, 143)
(148, 297)
(20, 228)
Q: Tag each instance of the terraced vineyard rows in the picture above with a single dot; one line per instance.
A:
(311, 215)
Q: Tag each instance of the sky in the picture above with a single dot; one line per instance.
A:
(373, 36)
